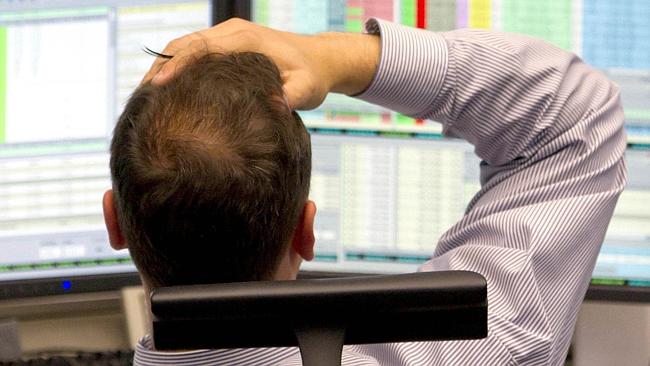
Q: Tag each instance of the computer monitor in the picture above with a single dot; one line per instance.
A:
(66, 70)
(67, 66)
(388, 186)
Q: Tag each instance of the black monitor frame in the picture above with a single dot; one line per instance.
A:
(51, 286)
(640, 294)
(628, 294)
(223, 10)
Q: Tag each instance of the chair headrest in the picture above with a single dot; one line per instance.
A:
(372, 309)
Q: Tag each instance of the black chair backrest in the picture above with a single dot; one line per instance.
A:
(319, 315)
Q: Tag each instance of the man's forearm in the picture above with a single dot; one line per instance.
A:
(350, 60)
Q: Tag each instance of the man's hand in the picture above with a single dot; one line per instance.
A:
(311, 66)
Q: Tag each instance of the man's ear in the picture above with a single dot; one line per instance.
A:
(303, 237)
(115, 236)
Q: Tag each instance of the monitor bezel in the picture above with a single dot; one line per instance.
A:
(54, 286)
(617, 293)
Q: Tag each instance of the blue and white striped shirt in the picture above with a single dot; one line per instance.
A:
(549, 130)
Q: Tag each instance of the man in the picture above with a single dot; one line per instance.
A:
(547, 127)
(211, 176)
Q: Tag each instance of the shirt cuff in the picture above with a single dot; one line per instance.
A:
(411, 71)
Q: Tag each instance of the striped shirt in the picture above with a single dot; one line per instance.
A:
(549, 131)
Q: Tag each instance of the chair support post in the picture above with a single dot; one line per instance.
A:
(321, 346)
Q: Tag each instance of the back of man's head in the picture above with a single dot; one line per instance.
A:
(210, 172)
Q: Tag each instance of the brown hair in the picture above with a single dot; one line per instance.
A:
(210, 172)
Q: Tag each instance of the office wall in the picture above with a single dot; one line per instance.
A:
(612, 334)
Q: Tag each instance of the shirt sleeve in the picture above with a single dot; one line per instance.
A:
(549, 131)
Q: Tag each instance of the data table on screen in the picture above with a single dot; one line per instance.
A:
(151, 26)
(66, 70)
(613, 36)
(50, 97)
(390, 200)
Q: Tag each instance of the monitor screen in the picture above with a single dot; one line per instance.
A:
(66, 70)
(67, 67)
(387, 186)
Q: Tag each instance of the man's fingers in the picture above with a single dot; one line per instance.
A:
(173, 65)
(153, 70)
(298, 94)
(237, 41)
(229, 36)
(293, 94)
(172, 48)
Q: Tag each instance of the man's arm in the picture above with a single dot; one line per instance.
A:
(548, 128)
(549, 131)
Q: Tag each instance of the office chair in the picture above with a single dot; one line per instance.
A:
(320, 315)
